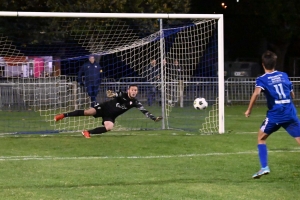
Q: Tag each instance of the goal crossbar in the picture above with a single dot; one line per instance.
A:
(109, 15)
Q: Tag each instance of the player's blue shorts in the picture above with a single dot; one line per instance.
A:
(293, 128)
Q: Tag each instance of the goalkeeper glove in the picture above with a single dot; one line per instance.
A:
(158, 119)
(110, 94)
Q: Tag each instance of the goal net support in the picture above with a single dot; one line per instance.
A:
(173, 58)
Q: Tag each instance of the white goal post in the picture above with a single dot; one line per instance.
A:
(165, 85)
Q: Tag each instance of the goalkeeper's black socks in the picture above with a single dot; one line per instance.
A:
(74, 113)
(98, 130)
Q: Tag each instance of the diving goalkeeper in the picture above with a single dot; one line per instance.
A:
(110, 110)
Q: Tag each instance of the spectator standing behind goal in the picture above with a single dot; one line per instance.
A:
(110, 110)
(177, 71)
(92, 72)
(281, 111)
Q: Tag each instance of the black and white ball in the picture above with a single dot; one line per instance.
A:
(200, 104)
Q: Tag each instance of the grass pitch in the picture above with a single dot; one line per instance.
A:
(150, 164)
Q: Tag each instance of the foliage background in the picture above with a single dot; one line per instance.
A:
(251, 26)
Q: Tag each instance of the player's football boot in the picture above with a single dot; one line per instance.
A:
(261, 172)
(59, 117)
(86, 134)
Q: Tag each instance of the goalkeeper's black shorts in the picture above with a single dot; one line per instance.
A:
(100, 112)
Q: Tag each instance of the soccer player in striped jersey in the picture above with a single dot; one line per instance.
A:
(278, 91)
(110, 110)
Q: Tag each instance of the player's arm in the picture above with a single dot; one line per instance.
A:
(292, 94)
(252, 101)
(140, 106)
(112, 94)
(292, 91)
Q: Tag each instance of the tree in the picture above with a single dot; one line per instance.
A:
(279, 23)
(51, 29)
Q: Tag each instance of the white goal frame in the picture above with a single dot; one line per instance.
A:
(219, 17)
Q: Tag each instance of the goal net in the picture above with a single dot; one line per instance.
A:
(172, 58)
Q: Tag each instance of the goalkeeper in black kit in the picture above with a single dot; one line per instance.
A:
(110, 110)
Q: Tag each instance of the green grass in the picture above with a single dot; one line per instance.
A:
(169, 164)
(31, 122)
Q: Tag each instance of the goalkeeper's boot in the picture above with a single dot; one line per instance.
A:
(86, 134)
(59, 117)
(261, 172)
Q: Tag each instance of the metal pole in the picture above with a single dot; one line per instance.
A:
(162, 75)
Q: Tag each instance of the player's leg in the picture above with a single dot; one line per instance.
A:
(297, 139)
(266, 129)
(108, 126)
(96, 91)
(149, 97)
(90, 91)
(293, 129)
(153, 94)
(76, 113)
(93, 94)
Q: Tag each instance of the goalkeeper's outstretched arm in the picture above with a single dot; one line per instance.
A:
(147, 113)
(112, 94)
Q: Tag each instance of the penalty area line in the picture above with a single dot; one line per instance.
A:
(41, 158)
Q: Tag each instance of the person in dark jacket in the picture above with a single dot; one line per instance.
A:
(92, 78)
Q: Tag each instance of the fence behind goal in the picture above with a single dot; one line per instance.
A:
(29, 106)
(238, 90)
(23, 111)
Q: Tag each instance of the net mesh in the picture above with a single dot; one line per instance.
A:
(40, 70)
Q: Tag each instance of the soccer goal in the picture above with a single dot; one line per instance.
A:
(173, 58)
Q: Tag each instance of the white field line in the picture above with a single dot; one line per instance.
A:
(120, 133)
(116, 133)
(24, 158)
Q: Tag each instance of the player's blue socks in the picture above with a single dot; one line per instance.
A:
(263, 155)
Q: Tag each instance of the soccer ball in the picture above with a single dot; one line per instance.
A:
(200, 104)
